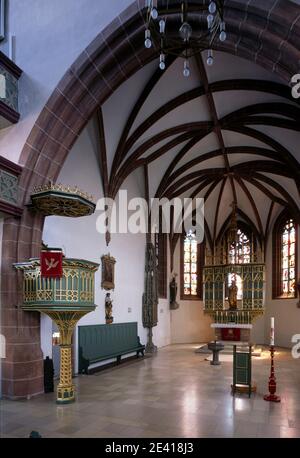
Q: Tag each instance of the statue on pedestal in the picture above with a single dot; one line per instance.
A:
(232, 296)
(108, 309)
(173, 293)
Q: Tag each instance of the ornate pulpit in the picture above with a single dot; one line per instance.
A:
(65, 300)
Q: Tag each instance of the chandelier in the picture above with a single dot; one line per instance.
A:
(232, 238)
(233, 227)
(189, 41)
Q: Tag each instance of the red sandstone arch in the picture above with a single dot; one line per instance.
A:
(114, 55)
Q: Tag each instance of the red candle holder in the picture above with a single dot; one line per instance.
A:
(272, 397)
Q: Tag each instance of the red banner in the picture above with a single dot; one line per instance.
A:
(233, 334)
(51, 264)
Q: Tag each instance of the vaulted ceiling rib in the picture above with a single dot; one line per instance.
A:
(249, 170)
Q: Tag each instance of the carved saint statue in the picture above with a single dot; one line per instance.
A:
(232, 296)
(108, 309)
(173, 293)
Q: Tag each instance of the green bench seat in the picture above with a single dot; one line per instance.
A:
(101, 342)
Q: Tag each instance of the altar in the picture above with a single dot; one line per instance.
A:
(234, 282)
(234, 325)
(232, 332)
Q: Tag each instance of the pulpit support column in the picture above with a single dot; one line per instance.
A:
(66, 322)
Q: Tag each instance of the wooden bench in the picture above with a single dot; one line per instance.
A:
(101, 342)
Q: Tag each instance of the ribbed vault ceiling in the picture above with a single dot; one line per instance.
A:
(228, 133)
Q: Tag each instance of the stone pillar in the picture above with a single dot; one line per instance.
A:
(22, 369)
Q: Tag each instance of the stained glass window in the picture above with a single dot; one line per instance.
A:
(288, 259)
(240, 250)
(190, 270)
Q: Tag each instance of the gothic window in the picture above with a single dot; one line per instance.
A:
(192, 261)
(240, 250)
(288, 258)
(285, 257)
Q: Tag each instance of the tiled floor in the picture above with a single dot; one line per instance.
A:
(173, 394)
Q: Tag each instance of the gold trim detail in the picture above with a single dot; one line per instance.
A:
(64, 189)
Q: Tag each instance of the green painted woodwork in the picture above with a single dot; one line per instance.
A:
(105, 341)
(11, 89)
(8, 187)
(65, 300)
(73, 291)
(209, 288)
(252, 275)
(150, 296)
(242, 372)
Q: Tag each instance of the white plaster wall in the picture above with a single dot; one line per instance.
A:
(79, 239)
(46, 336)
(258, 331)
(284, 311)
(162, 332)
(189, 324)
(49, 37)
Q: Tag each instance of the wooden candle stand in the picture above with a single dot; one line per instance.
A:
(272, 397)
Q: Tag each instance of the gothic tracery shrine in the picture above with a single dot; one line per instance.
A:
(233, 279)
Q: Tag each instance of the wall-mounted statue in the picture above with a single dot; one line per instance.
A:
(232, 296)
(108, 272)
(108, 309)
(173, 293)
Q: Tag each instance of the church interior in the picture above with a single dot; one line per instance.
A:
(111, 328)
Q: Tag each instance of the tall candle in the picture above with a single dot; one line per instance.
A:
(272, 342)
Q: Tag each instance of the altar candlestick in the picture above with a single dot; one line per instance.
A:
(272, 396)
(272, 342)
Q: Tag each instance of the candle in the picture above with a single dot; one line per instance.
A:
(272, 332)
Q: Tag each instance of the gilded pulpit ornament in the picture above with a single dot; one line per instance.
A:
(108, 309)
(173, 293)
(60, 200)
(150, 296)
(108, 272)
